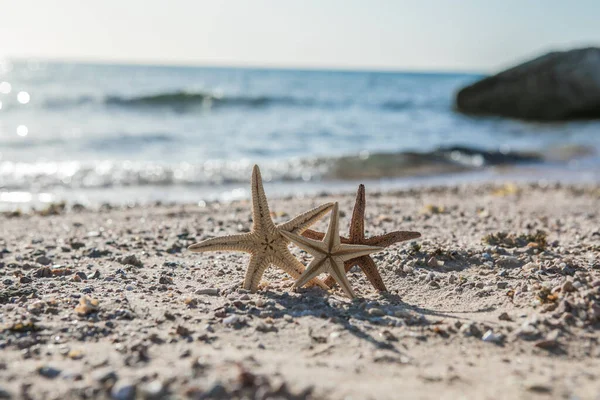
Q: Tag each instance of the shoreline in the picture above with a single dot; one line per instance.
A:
(481, 305)
(12, 200)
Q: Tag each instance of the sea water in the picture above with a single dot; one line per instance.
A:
(135, 133)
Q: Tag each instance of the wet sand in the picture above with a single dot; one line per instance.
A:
(499, 298)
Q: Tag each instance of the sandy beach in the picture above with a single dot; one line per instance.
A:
(499, 299)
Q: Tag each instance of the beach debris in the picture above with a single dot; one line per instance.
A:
(23, 326)
(329, 254)
(510, 240)
(545, 295)
(506, 190)
(52, 209)
(491, 337)
(265, 242)
(430, 209)
(87, 305)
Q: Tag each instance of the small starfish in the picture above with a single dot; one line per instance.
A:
(329, 254)
(357, 236)
(265, 242)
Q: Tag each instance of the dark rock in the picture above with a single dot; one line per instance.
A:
(77, 245)
(4, 394)
(97, 253)
(131, 260)
(49, 372)
(81, 275)
(123, 390)
(104, 375)
(554, 87)
(43, 260)
(217, 391)
(165, 280)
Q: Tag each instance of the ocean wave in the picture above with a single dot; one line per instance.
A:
(189, 101)
(48, 175)
(182, 100)
(122, 141)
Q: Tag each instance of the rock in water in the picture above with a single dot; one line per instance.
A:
(555, 87)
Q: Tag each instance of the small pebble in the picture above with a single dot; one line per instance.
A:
(568, 287)
(208, 291)
(123, 390)
(504, 317)
(43, 260)
(5, 394)
(376, 312)
(104, 375)
(492, 337)
(232, 320)
(153, 390)
(49, 372)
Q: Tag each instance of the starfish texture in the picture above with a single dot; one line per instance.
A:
(329, 254)
(357, 236)
(265, 242)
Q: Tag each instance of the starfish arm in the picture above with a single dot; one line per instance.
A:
(312, 246)
(309, 233)
(338, 273)
(330, 281)
(304, 220)
(256, 268)
(314, 235)
(391, 238)
(357, 223)
(349, 251)
(290, 264)
(224, 243)
(368, 266)
(332, 237)
(316, 266)
(261, 217)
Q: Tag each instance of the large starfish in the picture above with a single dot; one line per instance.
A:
(357, 236)
(265, 242)
(329, 254)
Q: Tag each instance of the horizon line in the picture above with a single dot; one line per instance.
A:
(265, 66)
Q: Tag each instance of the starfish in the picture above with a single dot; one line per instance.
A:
(357, 236)
(265, 242)
(329, 254)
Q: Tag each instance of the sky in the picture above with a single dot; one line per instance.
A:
(460, 35)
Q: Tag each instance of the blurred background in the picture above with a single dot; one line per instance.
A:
(141, 101)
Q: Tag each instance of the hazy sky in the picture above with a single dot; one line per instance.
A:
(479, 35)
